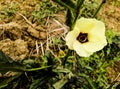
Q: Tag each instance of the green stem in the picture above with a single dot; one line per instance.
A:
(36, 69)
(98, 9)
(78, 12)
(79, 8)
(66, 57)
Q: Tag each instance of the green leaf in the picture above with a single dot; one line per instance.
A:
(4, 58)
(60, 83)
(62, 70)
(67, 3)
(4, 83)
(73, 12)
(38, 82)
(39, 68)
(79, 3)
(89, 80)
(110, 35)
(71, 16)
(70, 3)
(7, 64)
(49, 57)
(116, 39)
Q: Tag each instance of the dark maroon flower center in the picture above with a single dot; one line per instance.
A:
(82, 37)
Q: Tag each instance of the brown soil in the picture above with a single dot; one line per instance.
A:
(111, 15)
(20, 36)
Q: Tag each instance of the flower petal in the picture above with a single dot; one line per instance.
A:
(71, 37)
(96, 37)
(84, 25)
(98, 31)
(78, 47)
(95, 46)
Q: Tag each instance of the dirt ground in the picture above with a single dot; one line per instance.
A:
(22, 36)
(111, 15)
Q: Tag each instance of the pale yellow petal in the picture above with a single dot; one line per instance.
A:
(78, 47)
(85, 25)
(98, 29)
(92, 37)
(70, 38)
(95, 46)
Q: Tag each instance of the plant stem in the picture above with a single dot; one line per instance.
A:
(78, 14)
(39, 68)
(103, 1)
(66, 57)
(79, 9)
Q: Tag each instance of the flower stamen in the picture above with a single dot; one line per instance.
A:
(82, 37)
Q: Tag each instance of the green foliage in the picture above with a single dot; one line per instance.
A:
(8, 80)
(47, 9)
(65, 69)
(6, 64)
(89, 8)
(56, 41)
(110, 35)
(115, 3)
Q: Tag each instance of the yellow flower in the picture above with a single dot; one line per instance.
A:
(87, 37)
